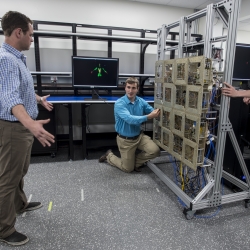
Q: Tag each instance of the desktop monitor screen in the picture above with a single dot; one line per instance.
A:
(95, 72)
(242, 62)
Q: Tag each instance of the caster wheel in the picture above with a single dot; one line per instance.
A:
(189, 214)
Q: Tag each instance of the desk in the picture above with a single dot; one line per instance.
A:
(83, 100)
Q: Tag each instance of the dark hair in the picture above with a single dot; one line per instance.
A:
(132, 80)
(13, 20)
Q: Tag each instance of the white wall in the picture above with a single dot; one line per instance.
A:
(99, 12)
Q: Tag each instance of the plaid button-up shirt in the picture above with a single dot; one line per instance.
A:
(16, 84)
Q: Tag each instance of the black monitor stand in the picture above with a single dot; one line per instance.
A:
(95, 96)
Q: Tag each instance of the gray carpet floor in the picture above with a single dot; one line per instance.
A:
(91, 205)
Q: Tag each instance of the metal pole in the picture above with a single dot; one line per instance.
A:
(224, 124)
(209, 31)
(161, 42)
(181, 37)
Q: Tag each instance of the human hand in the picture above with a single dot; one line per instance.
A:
(45, 103)
(246, 100)
(43, 136)
(229, 90)
(155, 113)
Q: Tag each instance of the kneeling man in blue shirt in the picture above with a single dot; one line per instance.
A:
(130, 112)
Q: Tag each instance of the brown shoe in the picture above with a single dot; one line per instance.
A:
(103, 158)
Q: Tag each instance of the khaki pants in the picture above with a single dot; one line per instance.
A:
(15, 150)
(129, 160)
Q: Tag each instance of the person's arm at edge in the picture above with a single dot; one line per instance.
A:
(229, 90)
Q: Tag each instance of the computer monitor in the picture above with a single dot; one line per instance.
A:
(95, 73)
(242, 62)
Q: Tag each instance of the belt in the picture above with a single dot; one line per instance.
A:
(129, 138)
(11, 121)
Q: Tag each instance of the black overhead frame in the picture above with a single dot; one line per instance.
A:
(74, 36)
(110, 38)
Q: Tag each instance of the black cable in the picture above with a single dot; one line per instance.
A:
(101, 98)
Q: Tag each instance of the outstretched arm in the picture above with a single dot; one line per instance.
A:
(43, 101)
(93, 70)
(104, 70)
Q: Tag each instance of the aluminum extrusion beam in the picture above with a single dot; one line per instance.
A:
(235, 197)
(194, 43)
(224, 111)
(183, 196)
(196, 15)
(100, 37)
(237, 182)
(200, 205)
(239, 156)
(181, 36)
(220, 9)
(203, 192)
(173, 25)
(189, 18)
(189, 27)
(219, 39)
(225, 200)
(209, 31)
(172, 48)
(161, 42)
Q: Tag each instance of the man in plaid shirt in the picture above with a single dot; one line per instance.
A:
(18, 124)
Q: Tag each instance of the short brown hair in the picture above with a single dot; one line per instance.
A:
(132, 80)
(13, 20)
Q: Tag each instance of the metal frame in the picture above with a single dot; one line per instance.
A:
(108, 37)
(228, 12)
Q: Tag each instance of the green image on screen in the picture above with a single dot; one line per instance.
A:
(99, 70)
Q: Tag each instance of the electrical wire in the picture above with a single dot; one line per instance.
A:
(101, 98)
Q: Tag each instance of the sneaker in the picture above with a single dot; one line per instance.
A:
(103, 158)
(32, 206)
(16, 239)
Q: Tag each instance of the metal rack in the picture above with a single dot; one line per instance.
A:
(74, 36)
(138, 37)
(210, 195)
